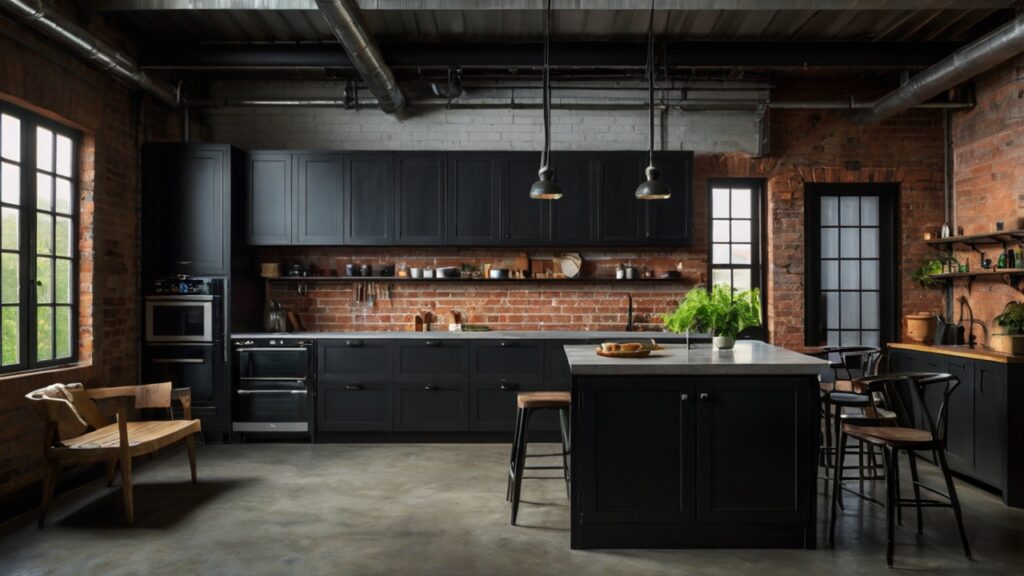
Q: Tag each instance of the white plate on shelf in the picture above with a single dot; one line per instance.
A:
(570, 264)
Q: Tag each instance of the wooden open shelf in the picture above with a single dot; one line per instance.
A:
(1003, 238)
(1010, 276)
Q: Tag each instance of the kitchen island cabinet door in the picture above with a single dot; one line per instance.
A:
(420, 193)
(318, 199)
(369, 199)
(474, 185)
(639, 440)
(270, 199)
(438, 406)
(747, 426)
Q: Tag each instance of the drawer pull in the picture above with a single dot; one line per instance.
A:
(431, 387)
(510, 386)
(353, 343)
(684, 397)
(704, 397)
(353, 387)
(431, 342)
(508, 344)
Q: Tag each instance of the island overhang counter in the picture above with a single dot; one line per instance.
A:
(694, 448)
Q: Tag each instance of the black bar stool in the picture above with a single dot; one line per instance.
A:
(848, 363)
(907, 438)
(526, 404)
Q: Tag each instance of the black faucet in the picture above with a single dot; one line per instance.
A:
(972, 340)
(629, 312)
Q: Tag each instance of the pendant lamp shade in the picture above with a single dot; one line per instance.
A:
(546, 188)
(651, 188)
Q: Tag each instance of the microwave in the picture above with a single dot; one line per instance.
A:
(183, 318)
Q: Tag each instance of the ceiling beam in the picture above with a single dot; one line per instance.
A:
(565, 55)
(134, 5)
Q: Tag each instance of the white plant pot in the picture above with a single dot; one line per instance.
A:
(723, 342)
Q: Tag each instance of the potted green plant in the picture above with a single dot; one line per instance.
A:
(1011, 321)
(720, 312)
(925, 274)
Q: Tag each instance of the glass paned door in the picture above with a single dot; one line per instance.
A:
(850, 270)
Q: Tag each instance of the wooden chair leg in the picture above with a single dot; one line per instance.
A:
(954, 500)
(111, 471)
(126, 490)
(49, 482)
(917, 489)
(190, 445)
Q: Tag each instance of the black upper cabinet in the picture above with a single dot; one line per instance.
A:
(188, 208)
(620, 212)
(420, 190)
(269, 217)
(474, 183)
(573, 215)
(669, 222)
(369, 198)
(318, 199)
(524, 220)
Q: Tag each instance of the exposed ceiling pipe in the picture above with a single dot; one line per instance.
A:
(343, 18)
(993, 49)
(47, 20)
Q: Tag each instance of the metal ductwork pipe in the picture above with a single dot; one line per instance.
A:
(47, 20)
(343, 18)
(995, 48)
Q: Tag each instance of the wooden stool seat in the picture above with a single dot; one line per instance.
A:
(543, 400)
(143, 437)
(893, 435)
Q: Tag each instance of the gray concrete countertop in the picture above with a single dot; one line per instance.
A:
(493, 335)
(748, 358)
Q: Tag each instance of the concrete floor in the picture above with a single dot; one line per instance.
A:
(426, 509)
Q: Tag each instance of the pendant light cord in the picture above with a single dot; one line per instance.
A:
(650, 81)
(546, 89)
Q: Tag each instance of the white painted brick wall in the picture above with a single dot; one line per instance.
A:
(464, 129)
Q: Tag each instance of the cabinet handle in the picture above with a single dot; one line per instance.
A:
(704, 397)
(431, 342)
(430, 387)
(510, 386)
(353, 387)
(508, 344)
(684, 397)
(184, 262)
(353, 343)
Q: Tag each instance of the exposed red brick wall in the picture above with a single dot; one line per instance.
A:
(34, 73)
(989, 176)
(807, 146)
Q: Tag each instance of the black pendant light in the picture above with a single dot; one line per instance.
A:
(651, 188)
(546, 188)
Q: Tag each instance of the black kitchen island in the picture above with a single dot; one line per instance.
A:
(694, 448)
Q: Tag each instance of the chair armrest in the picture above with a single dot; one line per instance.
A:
(184, 397)
(145, 395)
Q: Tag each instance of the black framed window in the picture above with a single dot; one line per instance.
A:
(38, 241)
(851, 289)
(735, 227)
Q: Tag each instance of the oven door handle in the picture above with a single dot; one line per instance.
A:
(177, 360)
(270, 379)
(248, 392)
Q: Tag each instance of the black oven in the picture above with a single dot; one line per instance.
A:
(273, 387)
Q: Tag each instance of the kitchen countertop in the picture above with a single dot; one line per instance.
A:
(978, 353)
(748, 358)
(493, 335)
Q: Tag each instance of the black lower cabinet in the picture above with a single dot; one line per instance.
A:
(199, 367)
(356, 407)
(983, 434)
(431, 407)
(492, 406)
(673, 462)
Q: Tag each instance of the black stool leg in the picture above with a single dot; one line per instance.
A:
(515, 450)
(891, 461)
(520, 464)
(828, 433)
(896, 486)
(840, 456)
(837, 488)
(954, 501)
(917, 489)
(563, 420)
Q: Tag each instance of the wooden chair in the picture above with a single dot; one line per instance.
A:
(77, 432)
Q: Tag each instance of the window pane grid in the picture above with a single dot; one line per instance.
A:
(38, 241)
(732, 241)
